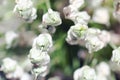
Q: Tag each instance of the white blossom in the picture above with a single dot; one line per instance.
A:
(38, 57)
(51, 18)
(103, 69)
(101, 77)
(116, 55)
(40, 70)
(25, 10)
(8, 65)
(43, 42)
(76, 3)
(10, 37)
(75, 33)
(101, 15)
(85, 73)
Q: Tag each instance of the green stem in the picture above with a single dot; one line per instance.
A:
(48, 4)
(113, 45)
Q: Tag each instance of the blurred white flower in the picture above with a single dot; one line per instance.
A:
(94, 3)
(26, 76)
(25, 10)
(8, 65)
(85, 73)
(103, 69)
(76, 3)
(116, 56)
(117, 9)
(43, 42)
(101, 15)
(51, 18)
(101, 77)
(41, 70)
(54, 78)
(10, 37)
(38, 57)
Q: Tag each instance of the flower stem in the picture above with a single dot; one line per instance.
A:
(48, 4)
(113, 45)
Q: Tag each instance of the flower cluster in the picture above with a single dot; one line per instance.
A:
(85, 73)
(25, 10)
(39, 54)
(13, 71)
(92, 38)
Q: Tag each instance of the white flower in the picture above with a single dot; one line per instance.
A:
(26, 76)
(43, 42)
(8, 65)
(51, 18)
(38, 57)
(101, 77)
(116, 55)
(103, 69)
(82, 17)
(93, 44)
(76, 3)
(85, 73)
(76, 32)
(10, 37)
(101, 15)
(40, 70)
(25, 10)
(95, 3)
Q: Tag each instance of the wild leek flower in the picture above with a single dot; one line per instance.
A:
(85, 73)
(10, 38)
(25, 10)
(51, 18)
(116, 56)
(43, 42)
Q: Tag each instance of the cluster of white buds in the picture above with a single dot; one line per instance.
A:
(13, 70)
(25, 10)
(39, 54)
(85, 73)
(101, 15)
(10, 38)
(117, 9)
(116, 56)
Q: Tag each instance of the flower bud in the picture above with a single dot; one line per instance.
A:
(103, 69)
(116, 55)
(85, 73)
(10, 37)
(76, 3)
(8, 65)
(38, 57)
(51, 18)
(76, 32)
(101, 15)
(40, 71)
(43, 42)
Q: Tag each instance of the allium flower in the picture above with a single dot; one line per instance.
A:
(85, 73)
(101, 77)
(93, 44)
(103, 69)
(40, 70)
(76, 3)
(10, 37)
(25, 9)
(95, 3)
(116, 55)
(51, 18)
(43, 42)
(38, 57)
(8, 65)
(101, 15)
(76, 32)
